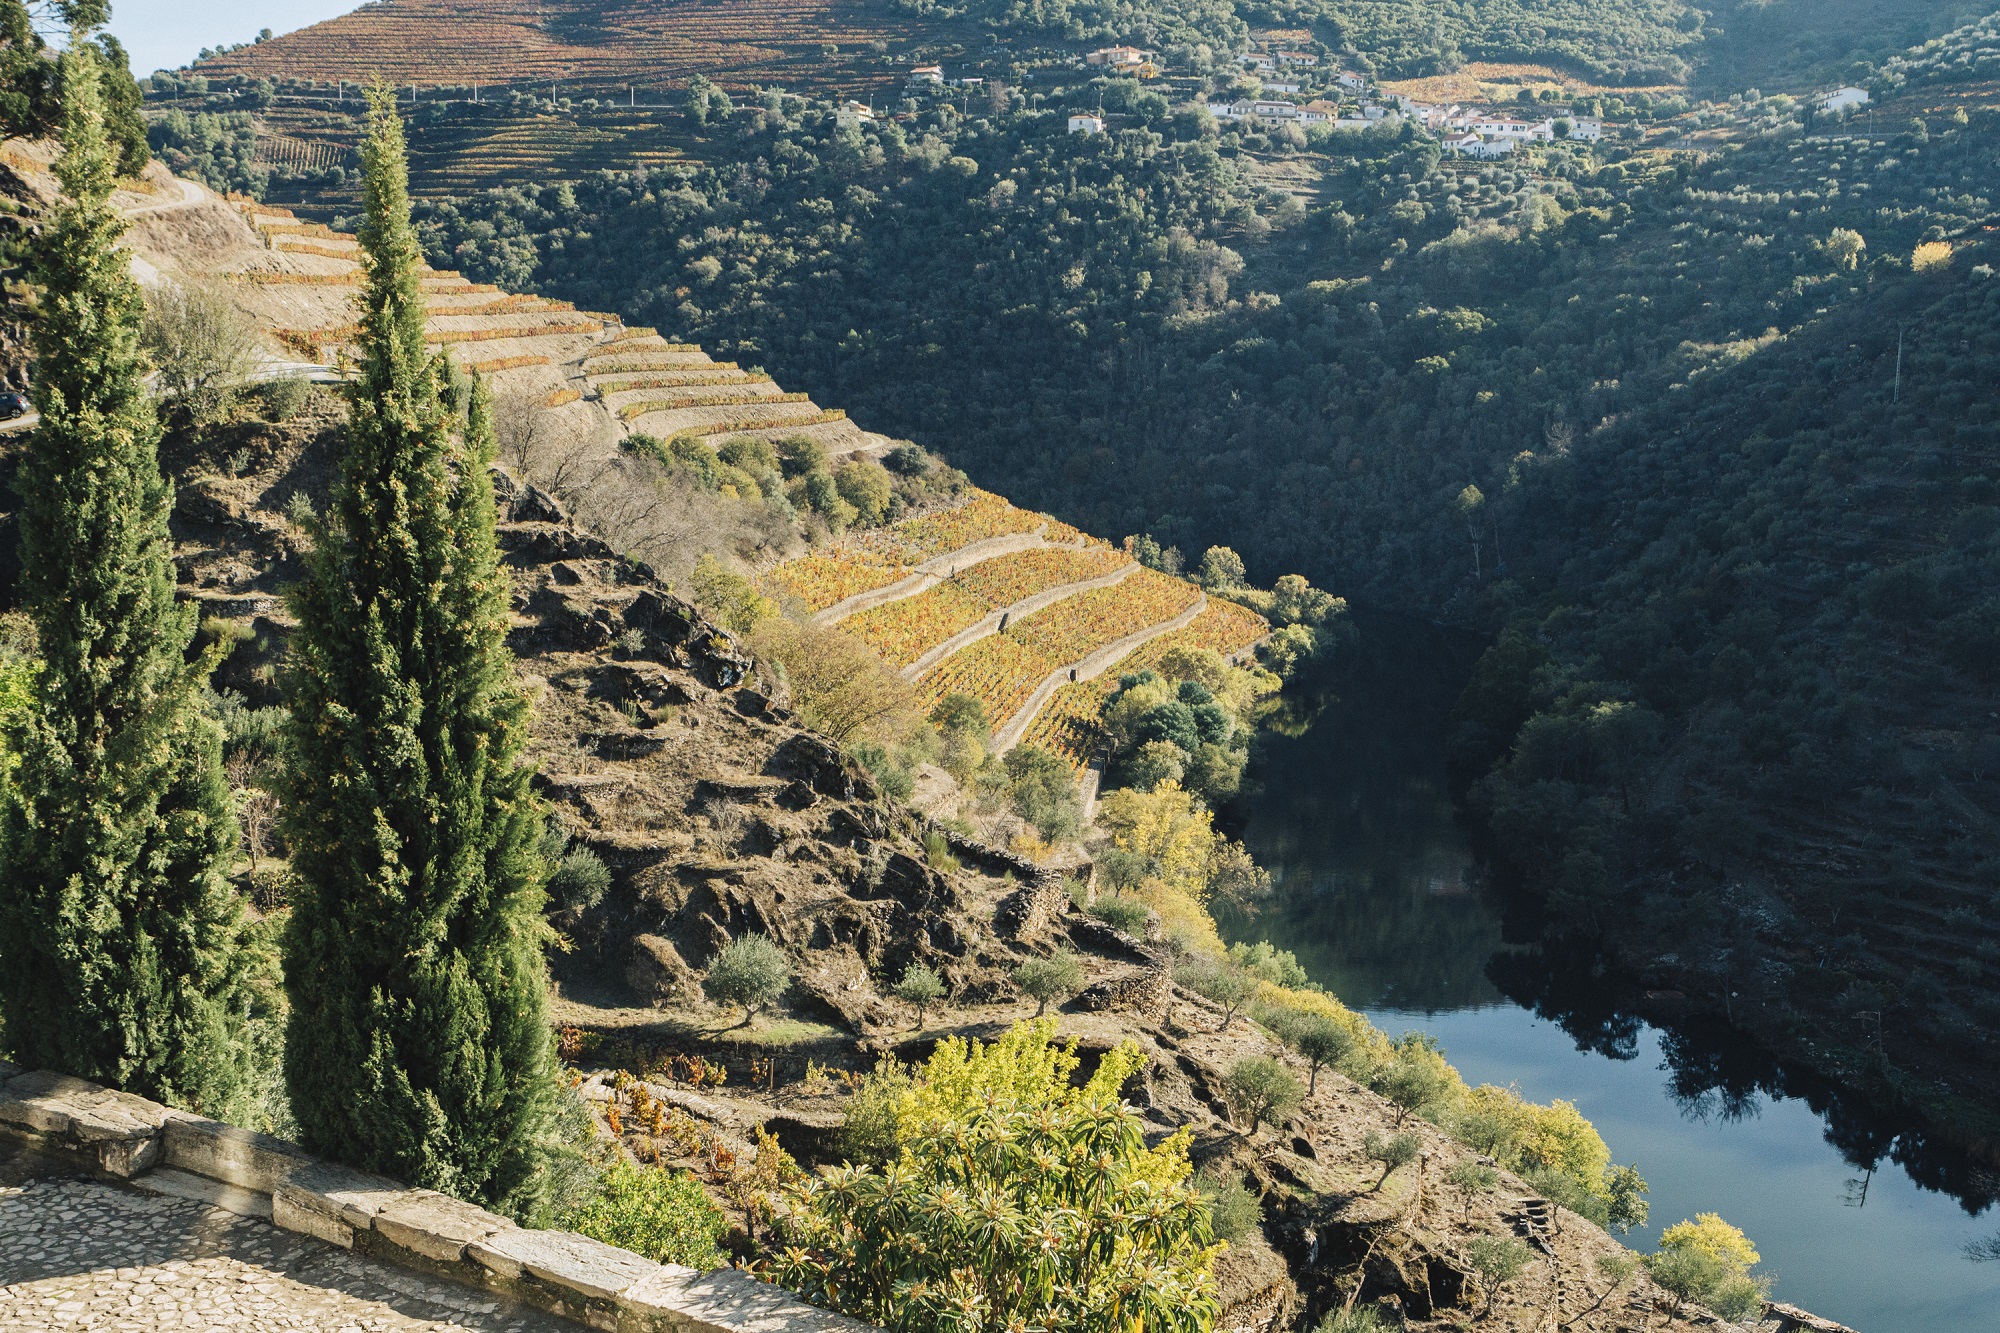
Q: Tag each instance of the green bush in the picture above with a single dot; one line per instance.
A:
(1045, 979)
(664, 1215)
(750, 971)
(1259, 1087)
(1122, 913)
(1234, 1211)
(920, 986)
(1102, 1235)
(579, 881)
(1391, 1150)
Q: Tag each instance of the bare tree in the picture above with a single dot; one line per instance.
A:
(203, 346)
(838, 684)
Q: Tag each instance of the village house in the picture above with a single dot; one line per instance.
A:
(1119, 56)
(1255, 60)
(1086, 125)
(1468, 144)
(1508, 128)
(1304, 59)
(1843, 100)
(852, 115)
(1281, 86)
(933, 74)
(1590, 131)
(968, 81)
(1354, 83)
(1254, 109)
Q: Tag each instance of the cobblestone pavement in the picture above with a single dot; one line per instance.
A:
(89, 1254)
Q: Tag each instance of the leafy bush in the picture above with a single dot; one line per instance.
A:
(1110, 1231)
(1234, 1210)
(1046, 979)
(1227, 986)
(1391, 1150)
(1496, 1261)
(1262, 1089)
(664, 1215)
(579, 881)
(920, 986)
(1708, 1261)
(750, 971)
(1121, 913)
(1360, 1319)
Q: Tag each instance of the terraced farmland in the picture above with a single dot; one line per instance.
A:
(904, 630)
(917, 540)
(586, 45)
(827, 578)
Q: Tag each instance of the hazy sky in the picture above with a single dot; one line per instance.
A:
(166, 34)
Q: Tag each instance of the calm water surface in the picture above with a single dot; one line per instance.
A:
(1382, 898)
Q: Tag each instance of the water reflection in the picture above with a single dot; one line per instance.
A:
(1863, 1215)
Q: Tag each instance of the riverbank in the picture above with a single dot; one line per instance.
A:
(1381, 892)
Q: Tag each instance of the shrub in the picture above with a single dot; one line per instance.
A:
(920, 986)
(1472, 1180)
(664, 1215)
(1234, 1210)
(579, 881)
(1496, 1261)
(1042, 790)
(1360, 1319)
(1416, 1077)
(750, 971)
(1391, 1150)
(1219, 982)
(1121, 913)
(937, 852)
(1110, 1229)
(1320, 1039)
(1263, 1089)
(1708, 1261)
(1046, 979)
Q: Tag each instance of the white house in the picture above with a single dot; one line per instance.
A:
(1507, 128)
(968, 81)
(1253, 60)
(927, 74)
(1590, 131)
(852, 115)
(1258, 109)
(1280, 85)
(1468, 144)
(1306, 59)
(1086, 125)
(1354, 83)
(1127, 56)
(1842, 100)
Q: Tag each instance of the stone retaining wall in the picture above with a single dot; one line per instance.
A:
(255, 1175)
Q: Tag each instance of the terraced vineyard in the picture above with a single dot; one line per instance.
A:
(917, 540)
(827, 578)
(904, 630)
(599, 46)
(1008, 579)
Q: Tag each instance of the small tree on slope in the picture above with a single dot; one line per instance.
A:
(119, 935)
(419, 1042)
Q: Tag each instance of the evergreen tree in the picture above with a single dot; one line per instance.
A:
(418, 1042)
(119, 934)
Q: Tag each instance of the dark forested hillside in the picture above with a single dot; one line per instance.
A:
(1760, 750)
(1140, 333)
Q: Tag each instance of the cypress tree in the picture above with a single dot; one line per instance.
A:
(120, 938)
(418, 1041)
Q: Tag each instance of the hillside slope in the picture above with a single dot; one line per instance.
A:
(719, 815)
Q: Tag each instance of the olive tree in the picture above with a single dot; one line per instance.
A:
(750, 971)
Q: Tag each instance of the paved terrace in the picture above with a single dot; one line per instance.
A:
(78, 1253)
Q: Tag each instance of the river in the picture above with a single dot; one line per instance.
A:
(1380, 894)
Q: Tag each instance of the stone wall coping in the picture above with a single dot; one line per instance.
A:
(255, 1175)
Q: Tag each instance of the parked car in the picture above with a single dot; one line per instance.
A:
(12, 405)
